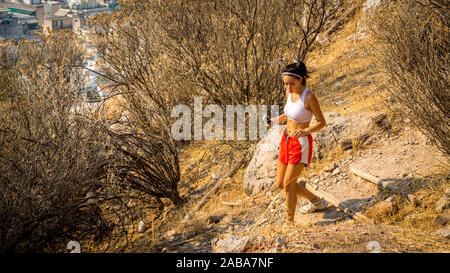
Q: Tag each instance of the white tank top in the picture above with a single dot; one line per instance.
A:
(296, 110)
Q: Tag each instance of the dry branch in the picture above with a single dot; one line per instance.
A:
(381, 183)
(337, 203)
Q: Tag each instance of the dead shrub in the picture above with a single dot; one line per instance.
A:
(412, 49)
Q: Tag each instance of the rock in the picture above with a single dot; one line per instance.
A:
(446, 233)
(441, 220)
(90, 196)
(141, 227)
(170, 250)
(230, 245)
(215, 176)
(387, 206)
(316, 246)
(213, 220)
(444, 202)
(261, 170)
(336, 171)
(171, 233)
(331, 167)
(280, 242)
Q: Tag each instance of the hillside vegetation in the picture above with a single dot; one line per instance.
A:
(109, 173)
(350, 83)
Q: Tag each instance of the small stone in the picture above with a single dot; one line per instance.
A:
(230, 245)
(386, 207)
(213, 220)
(171, 233)
(280, 242)
(316, 246)
(446, 233)
(336, 171)
(90, 197)
(215, 176)
(141, 227)
(441, 220)
(331, 167)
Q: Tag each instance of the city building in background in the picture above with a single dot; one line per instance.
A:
(26, 16)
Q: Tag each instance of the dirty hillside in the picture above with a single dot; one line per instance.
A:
(388, 187)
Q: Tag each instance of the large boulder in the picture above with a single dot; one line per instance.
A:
(262, 169)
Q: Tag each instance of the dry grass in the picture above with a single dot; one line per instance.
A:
(420, 214)
(344, 70)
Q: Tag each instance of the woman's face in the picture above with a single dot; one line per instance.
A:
(291, 84)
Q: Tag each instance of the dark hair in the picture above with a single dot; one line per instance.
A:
(296, 69)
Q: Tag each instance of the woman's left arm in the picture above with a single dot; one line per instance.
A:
(312, 101)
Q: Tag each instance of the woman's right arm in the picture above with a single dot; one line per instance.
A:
(279, 119)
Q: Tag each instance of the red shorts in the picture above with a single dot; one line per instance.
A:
(295, 150)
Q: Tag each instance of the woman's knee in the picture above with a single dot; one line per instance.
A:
(280, 186)
(279, 183)
(289, 186)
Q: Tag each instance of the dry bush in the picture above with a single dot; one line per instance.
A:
(50, 153)
(56, 150)
(161, 54)
(147, 159)
(412, 49)
(229, 52)
(232, 52)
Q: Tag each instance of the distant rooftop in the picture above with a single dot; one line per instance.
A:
(22, 11)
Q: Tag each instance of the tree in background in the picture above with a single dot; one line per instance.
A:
(132, 63)
(232, 52)
(308, 20)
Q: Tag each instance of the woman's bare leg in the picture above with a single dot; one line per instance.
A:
(302, 191)
(281, 170)
(290, 182)
(291, 188)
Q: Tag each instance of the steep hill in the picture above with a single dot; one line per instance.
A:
(351, 92)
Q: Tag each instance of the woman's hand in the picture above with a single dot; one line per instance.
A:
(301, 132)
(272, 121)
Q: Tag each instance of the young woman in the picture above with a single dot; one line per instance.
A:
(296, 143)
